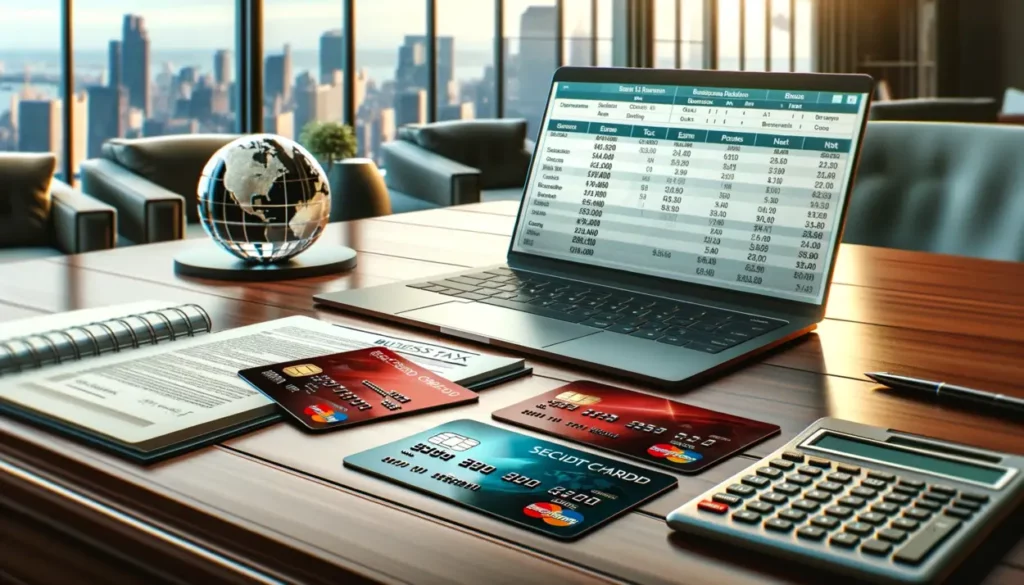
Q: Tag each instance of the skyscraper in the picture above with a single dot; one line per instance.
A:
(411, 107)
(445, 69)
(315, 101)
(222, 62)
(277, 76)
(579, 48)
(209, 100)
(39, 126)
(282, 124)
(114, 64)
(383, 131)
(108, 113)
(413, 68)
(332, 56)
(360, 81)
(536, 62)
(135, 62)
(80, 121)
(411, 72)
(189, 75)
(463, 111)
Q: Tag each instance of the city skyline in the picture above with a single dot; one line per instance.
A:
(128, 98)
(134, 83)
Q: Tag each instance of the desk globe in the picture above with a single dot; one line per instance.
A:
(264, 200)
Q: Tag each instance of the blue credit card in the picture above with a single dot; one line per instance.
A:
(550, 488)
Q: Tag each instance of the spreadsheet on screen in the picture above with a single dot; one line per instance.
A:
(740, 188)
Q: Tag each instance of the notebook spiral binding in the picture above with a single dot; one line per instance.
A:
(129, 331)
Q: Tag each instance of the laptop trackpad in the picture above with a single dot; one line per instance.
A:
(498, 323)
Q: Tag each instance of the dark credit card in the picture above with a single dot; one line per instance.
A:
(556, 490)
(655, 430)
(345, 389)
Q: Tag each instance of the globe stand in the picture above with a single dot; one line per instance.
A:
(210, 261)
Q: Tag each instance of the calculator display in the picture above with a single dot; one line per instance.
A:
(910, 459)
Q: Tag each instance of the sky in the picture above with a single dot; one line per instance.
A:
(192, 24)
(209, 24)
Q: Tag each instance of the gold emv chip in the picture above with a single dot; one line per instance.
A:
(302, 370)
(577, 398)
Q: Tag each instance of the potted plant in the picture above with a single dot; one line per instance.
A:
(357, 187)
(329, 141)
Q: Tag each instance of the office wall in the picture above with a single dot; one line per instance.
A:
(972, 51)
(1013, 43)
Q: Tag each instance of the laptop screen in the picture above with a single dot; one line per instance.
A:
(738, 188)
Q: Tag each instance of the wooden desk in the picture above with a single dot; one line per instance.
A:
(278, 505)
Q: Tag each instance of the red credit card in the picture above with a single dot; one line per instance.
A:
(355, 387)
(662, 432)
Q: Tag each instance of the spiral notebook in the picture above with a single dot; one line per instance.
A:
(148, 380)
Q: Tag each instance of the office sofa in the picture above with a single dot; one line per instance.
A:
(946, 188)
(152, 183)
(41, 216)
(451, 163)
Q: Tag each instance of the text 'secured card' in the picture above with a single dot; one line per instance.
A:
(344, 389)
(655, 430)
(556, 490)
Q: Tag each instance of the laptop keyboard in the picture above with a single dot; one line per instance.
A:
(678, 323)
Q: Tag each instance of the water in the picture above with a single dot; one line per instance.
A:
(379, 65)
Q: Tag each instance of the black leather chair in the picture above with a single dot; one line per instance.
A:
(152, 183)
(947, 188)
(983, 110)
(451, 163)
(41, 216)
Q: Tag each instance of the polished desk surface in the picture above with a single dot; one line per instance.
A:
(277, 504)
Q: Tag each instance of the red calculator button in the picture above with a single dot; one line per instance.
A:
(710, 506)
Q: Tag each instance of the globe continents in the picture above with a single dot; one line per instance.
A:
(264, 198)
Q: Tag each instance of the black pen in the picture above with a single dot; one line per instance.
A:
(944, 390)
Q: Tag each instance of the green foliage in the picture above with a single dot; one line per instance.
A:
(329, 141)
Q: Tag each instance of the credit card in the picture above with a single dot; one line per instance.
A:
(549, 488)
(663, 432)
(355, 387)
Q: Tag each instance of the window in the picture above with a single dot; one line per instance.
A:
(780, 37)
(605, 33)
(530, 58)
(302, 65)
(391, 69)
(30, 78)
(804, 35)
(691, 31)
(577, 33)
(665, 38)
(465, 60)
(728, 26)
(679, 34)
(153, 68)
(754, 35)
(746, 27)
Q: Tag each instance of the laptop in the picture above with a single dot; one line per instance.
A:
(673, 223)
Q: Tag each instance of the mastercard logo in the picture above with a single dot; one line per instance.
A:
(323, 413)
(553, 514)
(673, 453)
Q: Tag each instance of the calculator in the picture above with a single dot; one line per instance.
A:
(863, 501)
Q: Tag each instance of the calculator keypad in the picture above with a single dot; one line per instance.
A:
(782, 464)
(727, 499)
(799, 479)
(845, 507)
